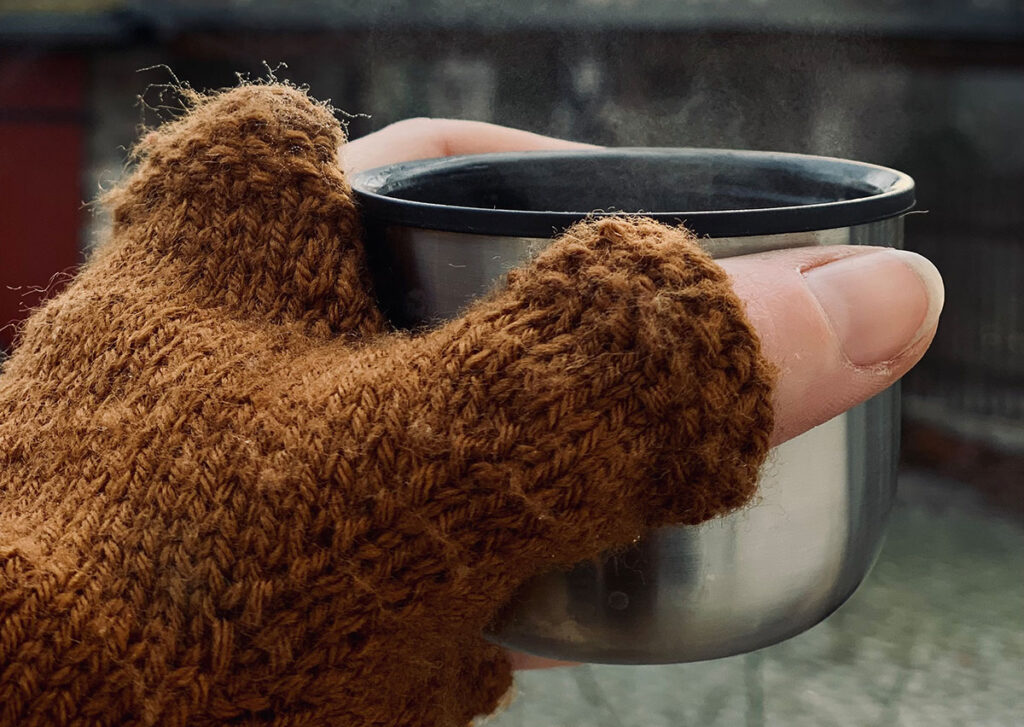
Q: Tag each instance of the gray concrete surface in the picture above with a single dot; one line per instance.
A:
(934, 637)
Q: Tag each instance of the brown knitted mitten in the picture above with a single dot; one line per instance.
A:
(229, 496)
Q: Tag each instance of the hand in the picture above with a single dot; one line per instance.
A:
(229, 492)
(841, 323)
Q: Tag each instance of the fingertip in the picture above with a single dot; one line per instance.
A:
(840, 324)
(935, 289)
(528, 662)
(878, 305)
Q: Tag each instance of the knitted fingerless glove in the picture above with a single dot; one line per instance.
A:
(229, 496)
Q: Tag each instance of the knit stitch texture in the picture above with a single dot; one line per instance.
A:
(229, 495)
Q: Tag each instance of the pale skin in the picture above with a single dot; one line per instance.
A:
(841, 323)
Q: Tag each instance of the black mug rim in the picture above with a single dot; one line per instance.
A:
(891, 194)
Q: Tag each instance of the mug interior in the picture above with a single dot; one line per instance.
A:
(713, 191)
(626, 184)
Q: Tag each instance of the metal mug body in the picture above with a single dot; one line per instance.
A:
(741, 582)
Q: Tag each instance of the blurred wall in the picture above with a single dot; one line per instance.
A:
(42, 141)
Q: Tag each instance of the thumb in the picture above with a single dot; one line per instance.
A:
(841, 324)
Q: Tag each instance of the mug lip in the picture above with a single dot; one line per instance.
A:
(893, 195)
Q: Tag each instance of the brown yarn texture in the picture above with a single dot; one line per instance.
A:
(229, 495)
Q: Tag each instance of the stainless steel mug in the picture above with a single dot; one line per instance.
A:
(441, 232)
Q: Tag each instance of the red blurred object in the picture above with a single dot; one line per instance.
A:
(42, 133)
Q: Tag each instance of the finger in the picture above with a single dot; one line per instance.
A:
(527, 662)
(841, 324)
(430, 138)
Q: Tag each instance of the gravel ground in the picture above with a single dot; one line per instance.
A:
(934, 637)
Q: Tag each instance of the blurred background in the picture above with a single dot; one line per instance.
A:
(931, 87)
